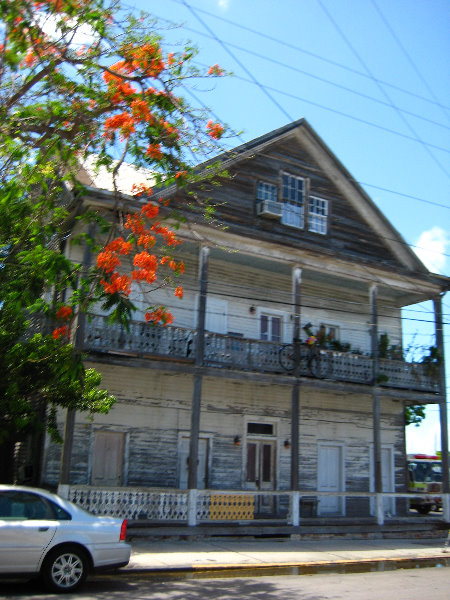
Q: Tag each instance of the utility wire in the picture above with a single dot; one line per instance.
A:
(243, 67)
(309, 53)
(382, 90)
(408, 57)
(314, 76)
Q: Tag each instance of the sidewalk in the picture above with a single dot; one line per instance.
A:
(202, 555)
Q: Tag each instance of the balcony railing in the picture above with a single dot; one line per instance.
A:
(224, 351)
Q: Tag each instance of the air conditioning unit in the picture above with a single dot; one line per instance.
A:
(269, 208)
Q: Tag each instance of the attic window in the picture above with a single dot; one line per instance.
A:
(318, 215)
(266, 191)
(293, 197)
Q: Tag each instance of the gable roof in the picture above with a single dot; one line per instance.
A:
(357, 197)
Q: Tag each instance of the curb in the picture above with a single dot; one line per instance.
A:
(307, 566)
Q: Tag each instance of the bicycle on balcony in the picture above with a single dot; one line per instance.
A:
(306, 357)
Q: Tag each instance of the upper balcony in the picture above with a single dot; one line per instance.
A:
(227, 352)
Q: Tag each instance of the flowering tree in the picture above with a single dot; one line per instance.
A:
(82, 82)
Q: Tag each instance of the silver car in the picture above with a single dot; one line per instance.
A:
(43, 534)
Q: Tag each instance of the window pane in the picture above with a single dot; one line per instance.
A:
(292, 189)
(260, 428)
(276, 329)
(267, 462)
(264, 327)
(251, 462)
(266, 191)
(318, 213)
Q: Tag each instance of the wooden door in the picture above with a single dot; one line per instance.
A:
(108, 458)
(260, 472)
(330, 478)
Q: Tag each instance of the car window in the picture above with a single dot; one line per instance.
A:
(27, 506)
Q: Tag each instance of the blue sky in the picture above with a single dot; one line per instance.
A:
(372, 77)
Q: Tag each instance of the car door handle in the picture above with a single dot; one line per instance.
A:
(43, 529)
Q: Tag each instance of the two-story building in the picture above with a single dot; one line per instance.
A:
(232, 397)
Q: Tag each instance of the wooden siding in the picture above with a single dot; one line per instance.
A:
(153, 408)
(349, 235)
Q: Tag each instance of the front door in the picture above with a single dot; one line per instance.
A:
(330, 478)
(202, 464)
(260, 472)
(107, 463)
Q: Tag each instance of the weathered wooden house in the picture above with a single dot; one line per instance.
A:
(228, 399)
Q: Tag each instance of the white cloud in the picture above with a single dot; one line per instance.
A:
(223, 4)
(431, 249)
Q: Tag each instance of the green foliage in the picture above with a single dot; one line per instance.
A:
(54, 104)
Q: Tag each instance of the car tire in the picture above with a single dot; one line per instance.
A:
(424, 509)
(65, 569)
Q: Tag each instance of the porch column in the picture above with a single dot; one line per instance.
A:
(439, 328)
(199, 354)
(376, 405)
(69, 427)
(295, 396)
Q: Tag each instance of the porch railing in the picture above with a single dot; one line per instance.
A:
(225, 351)
(192, 507)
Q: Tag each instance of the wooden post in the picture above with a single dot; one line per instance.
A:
(295, 397)
(199, 355)
(439, 328)
(376, 403)
(69, 427)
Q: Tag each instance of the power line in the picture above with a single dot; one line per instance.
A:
(382, 90)
(408, 57)
(224, 46)
(309, 53)
(347, 115)
(314, 76)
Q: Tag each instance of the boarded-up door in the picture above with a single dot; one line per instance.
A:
(107, 464)
(330, 478)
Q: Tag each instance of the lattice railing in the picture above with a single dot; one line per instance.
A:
(225, 351)
(162, 505)
(132, 503)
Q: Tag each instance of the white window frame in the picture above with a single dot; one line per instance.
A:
(336, 328)
(293, 199)
(272, 313)
(318, 215)
(266, 191)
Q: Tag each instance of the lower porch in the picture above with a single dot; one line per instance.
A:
(268, 511)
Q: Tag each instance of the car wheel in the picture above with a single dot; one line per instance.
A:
(65, 569)
(424, 509)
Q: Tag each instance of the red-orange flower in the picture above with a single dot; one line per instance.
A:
(215, 130)
(108, 261)
(160, 314)
(119, 245)
(215, 70)
(64, 313)
(117, 284)
(154, 151)
(150, 210)
(179, 292)
(60, 331)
